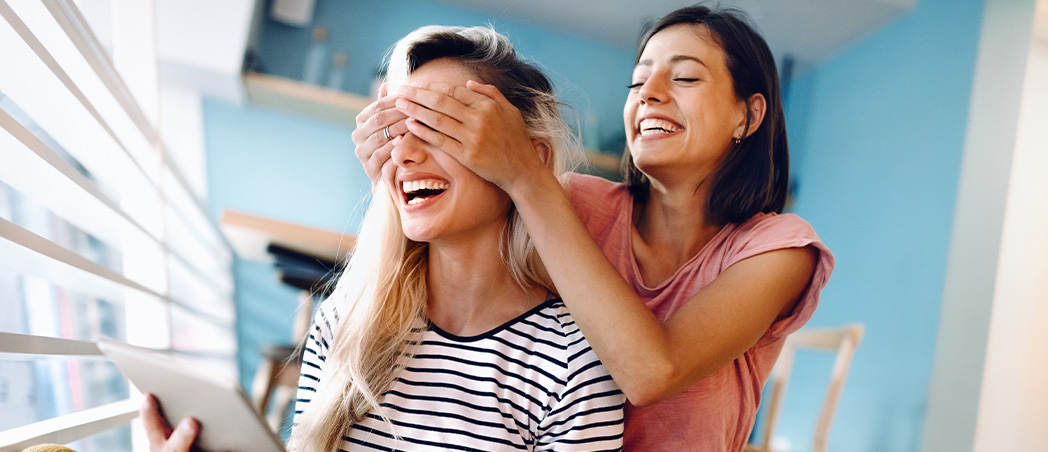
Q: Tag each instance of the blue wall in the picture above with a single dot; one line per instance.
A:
(298, 170)
(877, 135)
(279, 166)
(590, 76)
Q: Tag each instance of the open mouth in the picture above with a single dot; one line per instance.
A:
(653, 126)
(417, 191)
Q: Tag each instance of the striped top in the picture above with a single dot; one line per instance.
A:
(532, 383)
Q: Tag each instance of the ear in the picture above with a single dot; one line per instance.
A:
(544, 150)
(758, 106)
(383, 90)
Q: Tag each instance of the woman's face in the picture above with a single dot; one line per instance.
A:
(438, 198)
(681, 114)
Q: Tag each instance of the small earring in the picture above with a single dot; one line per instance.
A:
(738, 140)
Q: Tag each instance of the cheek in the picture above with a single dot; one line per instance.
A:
(387, 178)
(627, 115)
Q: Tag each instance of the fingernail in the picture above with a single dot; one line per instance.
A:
(401, 104)
(193, 425)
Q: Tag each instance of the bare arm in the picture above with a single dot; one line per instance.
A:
(652, 361)
(649, 360)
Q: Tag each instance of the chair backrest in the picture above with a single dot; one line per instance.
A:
(841, 340)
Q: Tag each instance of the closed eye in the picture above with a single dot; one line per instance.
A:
(635, 85)
(687, 80)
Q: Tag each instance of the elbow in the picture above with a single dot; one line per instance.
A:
(653, 386)
(641, 397)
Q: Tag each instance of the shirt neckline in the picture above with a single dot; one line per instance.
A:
(550, 301)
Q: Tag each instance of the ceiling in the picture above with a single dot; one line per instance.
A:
(205, 52)
(807, 30)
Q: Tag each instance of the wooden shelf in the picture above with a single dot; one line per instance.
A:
(303, 99)
(250, 234)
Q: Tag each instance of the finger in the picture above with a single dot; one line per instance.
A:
(489, 91)
(435, 120)
(378, 139)
(436, 138)
(376, 122)
(373, 165)
(366, 147)
(439, 101)
(383, 119)
(183, 436)
(367, 123)
(155, 425)
(382, 103)
(458, 92)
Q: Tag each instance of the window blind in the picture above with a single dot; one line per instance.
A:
(100, 230)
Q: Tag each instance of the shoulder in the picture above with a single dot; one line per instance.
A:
(553, 320)
(577, 351)
(598, 202)
(585, 184)
(586, 191)
(769, 232)
(324, 322)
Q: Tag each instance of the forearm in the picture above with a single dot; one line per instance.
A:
(627, 337)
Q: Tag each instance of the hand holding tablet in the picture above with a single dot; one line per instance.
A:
(226, 419)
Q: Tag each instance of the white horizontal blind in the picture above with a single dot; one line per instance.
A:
(100, 232)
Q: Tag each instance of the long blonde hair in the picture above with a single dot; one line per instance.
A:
(381, 295)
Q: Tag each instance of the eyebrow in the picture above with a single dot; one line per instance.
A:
(673, 60)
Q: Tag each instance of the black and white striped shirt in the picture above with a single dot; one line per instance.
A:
(531, 384)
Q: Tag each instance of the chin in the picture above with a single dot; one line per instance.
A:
(418, 234)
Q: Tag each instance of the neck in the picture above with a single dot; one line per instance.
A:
(673, 221)
(470, 289)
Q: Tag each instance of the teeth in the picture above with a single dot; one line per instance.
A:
(653, 126)
(428, 184)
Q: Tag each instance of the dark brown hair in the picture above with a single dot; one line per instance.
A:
(754, 175)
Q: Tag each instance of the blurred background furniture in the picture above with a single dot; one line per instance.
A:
(840, 340)
(305, 258)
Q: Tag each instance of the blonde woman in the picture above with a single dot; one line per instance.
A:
(444, 331)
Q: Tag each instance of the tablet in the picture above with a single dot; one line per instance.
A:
(228, 420)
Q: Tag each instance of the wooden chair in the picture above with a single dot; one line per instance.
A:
(842, 341)
(278, 372)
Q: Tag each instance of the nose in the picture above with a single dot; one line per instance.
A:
(653, 90)
(410, 151)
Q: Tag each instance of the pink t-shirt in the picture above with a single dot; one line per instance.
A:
(717, 413)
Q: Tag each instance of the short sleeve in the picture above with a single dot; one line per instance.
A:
(770, 232)
(588, 414)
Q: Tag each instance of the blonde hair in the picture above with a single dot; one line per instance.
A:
(381, 296)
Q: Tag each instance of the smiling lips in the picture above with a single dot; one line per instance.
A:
(416, 191)
(655, 126)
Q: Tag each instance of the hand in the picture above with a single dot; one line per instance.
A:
(477, 126)
(372, 147)
(161, 437)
